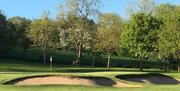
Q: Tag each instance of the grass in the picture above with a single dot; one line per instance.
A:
(12, 69)
(85, 88)
(25, 66)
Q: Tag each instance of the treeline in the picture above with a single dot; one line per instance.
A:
(151, 33)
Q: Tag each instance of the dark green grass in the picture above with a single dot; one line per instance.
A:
(126, 76)
(25, 66)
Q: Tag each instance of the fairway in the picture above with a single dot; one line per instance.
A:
(25, 71)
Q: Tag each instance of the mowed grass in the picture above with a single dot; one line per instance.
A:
(24, 66)
(86, 88)
(12, 69)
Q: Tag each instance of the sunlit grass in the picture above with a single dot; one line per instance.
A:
(18, 69)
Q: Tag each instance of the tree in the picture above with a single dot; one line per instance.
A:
(68, 35)
(20, 27)
(90, 45)
(164, 10)
(140, 35)
(5, 35)
(66, 25)
(81, 11)
(109, 30)
(3, 30)
(41, 32)
(169, 37)
(146, 6)
(141, 6)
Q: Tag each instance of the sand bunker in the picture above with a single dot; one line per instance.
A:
(150, 78)
(88, 81)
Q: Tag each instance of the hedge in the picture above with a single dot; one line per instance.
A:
(67, 58)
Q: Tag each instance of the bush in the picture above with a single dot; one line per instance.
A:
(15, 53)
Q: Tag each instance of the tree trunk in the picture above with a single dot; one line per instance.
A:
(78, 54)
(44, 56)
(109, 59)
(93, 61)
(24, 54)
(141, 64)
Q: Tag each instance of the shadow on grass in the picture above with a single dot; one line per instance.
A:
(72, 69)
(152, 78)
(23, 66)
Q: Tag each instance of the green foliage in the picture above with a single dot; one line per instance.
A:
(6, 37)
(41, 33)
(169, 42)
(109, 30)
(19, 28)
(164, 10)
(141, 35)
(169, 38)
(3, 34)
(79, 30)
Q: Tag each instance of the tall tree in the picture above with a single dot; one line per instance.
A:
(164, 10)
(90, 46)
(146, 6)
(143, 6)
(20, 27)
(40, 33)
(5, 35)
(81, 10)
(169, 37)
(140, 35)
(109, 30)
(66, 26)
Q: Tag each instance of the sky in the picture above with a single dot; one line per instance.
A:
(32, 9)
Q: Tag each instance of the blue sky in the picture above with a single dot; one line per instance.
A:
(34, 8)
